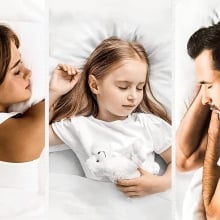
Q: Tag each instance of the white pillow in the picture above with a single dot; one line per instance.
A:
(76, 29)
(28, 20)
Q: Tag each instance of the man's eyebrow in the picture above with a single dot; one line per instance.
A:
(204, 82)
(15, 64)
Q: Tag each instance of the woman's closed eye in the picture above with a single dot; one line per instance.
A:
(17, 73)
(209, 86)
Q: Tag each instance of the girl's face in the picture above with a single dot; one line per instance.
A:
(16, 85)
(121, 90)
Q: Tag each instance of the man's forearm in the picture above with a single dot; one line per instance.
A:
(211, 172)
(191, 140)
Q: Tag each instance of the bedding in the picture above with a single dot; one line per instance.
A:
(75, 31)
(83, 199)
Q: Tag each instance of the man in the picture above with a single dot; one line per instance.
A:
(198, 136)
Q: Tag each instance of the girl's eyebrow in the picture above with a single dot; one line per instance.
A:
(124, 81)
(15, 64)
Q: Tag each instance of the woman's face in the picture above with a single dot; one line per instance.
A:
(121, 90)
(16, 85)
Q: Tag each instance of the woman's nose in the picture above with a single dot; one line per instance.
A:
(27, 73)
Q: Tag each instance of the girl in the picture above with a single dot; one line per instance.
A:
(21, 136)
(111, 102)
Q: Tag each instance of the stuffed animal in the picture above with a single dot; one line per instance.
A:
(104, 162)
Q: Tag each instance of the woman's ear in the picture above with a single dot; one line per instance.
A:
(93, 84)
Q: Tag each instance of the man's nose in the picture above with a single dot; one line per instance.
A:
(206, 99)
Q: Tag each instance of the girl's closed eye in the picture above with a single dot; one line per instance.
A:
(123, 87)
(140, 88)
(209, 87)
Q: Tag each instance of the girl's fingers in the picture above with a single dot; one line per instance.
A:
(133, 194)
(130, 182)
(127, 189)
(67, 68)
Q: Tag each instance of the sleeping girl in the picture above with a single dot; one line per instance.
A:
(110, 102)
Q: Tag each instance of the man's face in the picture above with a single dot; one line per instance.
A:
(209, 79)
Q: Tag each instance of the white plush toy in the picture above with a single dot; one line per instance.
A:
(114, 165)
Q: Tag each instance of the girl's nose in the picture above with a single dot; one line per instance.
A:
(132, 95)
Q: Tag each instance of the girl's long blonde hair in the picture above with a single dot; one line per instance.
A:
(81, 101)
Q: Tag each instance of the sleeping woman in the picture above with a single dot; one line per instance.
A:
(21, 135)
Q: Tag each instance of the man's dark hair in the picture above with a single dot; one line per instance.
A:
(206, 38)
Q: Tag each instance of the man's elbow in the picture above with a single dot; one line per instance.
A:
(213, 213)
(184, 164)
(181, 165)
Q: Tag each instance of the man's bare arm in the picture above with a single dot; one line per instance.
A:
(191, 139)
(211, 173)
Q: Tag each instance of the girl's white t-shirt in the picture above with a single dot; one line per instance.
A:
(81, 134)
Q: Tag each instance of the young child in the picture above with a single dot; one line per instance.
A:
(110, 103)
(21, 136)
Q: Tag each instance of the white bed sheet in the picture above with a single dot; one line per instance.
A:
(75, 197)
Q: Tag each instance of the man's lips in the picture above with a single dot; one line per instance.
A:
(214, 108)
(129, 106)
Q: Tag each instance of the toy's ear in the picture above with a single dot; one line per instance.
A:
(93, 84)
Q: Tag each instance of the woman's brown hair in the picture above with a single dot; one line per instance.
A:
(7, 36)
(81, 101)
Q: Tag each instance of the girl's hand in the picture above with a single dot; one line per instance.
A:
(63, 79)
(144, 185)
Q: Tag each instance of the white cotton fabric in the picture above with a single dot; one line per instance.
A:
(193, 208)
(74, 197)
(4, 116)
(81, 134)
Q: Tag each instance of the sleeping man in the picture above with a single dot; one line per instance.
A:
(198, 136)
